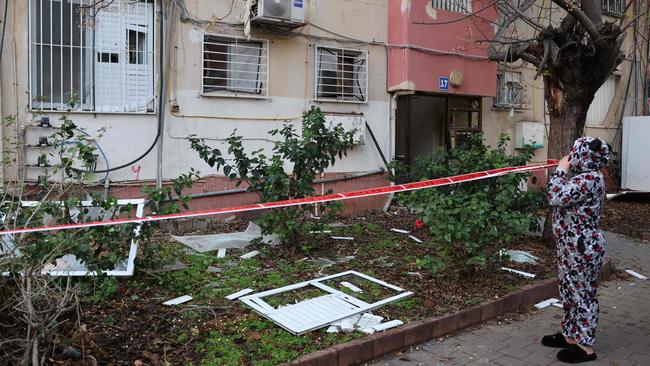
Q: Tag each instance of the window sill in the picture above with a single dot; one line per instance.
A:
(237, 96)
(325, 100)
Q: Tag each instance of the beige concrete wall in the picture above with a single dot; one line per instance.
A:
(347, 24)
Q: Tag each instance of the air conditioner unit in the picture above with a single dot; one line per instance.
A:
(280, 12)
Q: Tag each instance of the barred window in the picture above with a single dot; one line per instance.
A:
(613, 7)
(341, 74)
(98, 56)
(510, 90)
(234, 66)
(456, 6)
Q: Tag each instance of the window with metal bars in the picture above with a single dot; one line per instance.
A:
(510, 90)
(456, 6)
(613, 7)
(234, 67)
(341, 74)
(97, 55)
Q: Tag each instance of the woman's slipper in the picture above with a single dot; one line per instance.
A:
(575, 354)
(556, 340)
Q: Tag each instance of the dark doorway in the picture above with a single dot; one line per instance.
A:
(427, 122)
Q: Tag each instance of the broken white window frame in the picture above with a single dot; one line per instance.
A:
(256, 302)
(236, 59)
(358, 75)
(454, 6)
(511, 91)
(133, 249)
(85, 69)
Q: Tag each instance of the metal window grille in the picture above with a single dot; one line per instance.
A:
(234, 67)
(97, 55)
(613, 7)
(510, 90)
(456, 6)
(341, 74)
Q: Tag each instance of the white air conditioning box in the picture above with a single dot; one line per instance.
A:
(280, 12)
(529, 134)
(635, 164)
(354, 123)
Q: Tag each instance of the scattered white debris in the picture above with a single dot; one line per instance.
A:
(369, 320)
(351, 286)
(415, 239)
(212, 269)
(221, 253)
(342, 237)
(178, 300)
(400, 231)
(631, 272)
(383, 326)
(250, 254)
(416, 274)
(519, 256)
(239, 294)
(320, 311)
(209, 243)
(320, 232)
(558, 305)
(521, 273)
(545, 303)
(355, 322)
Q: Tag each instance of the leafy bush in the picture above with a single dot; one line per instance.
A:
(307, 154)
(470, 221)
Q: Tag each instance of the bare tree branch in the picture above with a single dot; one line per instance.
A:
(581, 17)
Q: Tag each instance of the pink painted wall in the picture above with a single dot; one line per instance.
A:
(415, 53)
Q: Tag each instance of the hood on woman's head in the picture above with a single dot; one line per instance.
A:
(589, 154)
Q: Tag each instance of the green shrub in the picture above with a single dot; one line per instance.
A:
(470, 221)
(307, 154)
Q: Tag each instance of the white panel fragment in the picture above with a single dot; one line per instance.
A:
(415, 239)
(545, 303)
(239, 294)
(521, 273)
(221, 253)
(250, 254)
(631, 272)
(400, 231)
(383, 326)
(342, 237)
(178, 300)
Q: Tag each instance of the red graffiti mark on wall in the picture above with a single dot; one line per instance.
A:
(136, 170)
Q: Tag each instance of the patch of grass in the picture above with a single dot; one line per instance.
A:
(473, 300)
(383, 244)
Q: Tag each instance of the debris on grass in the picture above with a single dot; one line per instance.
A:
(355, 323)
(521, 273)
(383, 326)
(400, 231)
(239, 294)
(342, 237)
(320, 232)
(635, 274)
(519, 256)
(213, 269)
(415, 239)
(209, 243)
(178, 300)
(545, 303)
(221, 253)
(416, 274)
(250, 254)
(318, 312)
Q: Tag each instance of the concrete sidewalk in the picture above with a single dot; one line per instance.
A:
(623, 336)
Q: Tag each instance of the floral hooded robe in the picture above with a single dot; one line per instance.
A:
(577, 203)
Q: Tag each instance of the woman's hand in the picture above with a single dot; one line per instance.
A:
(564, 164)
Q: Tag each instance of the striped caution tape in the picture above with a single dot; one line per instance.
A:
(301, 201)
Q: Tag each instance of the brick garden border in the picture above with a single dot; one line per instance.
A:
(379, 344)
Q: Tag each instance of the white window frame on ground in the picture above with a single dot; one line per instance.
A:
(511, 90)
(79, 50)
(244, 72)
(337, 91)
(613, 7)
(454, 6)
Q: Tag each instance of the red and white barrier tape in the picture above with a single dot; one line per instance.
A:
(302, 201)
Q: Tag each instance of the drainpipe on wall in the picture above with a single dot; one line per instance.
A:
(165, 37)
